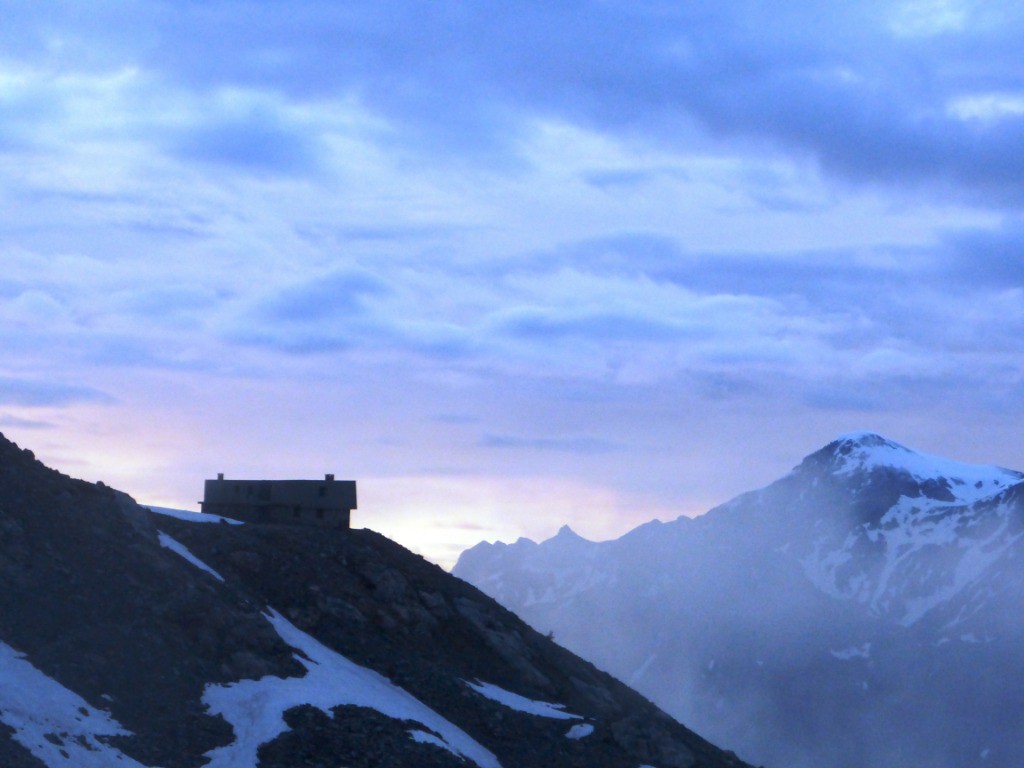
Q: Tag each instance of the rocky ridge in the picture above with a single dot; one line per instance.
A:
(141, 625)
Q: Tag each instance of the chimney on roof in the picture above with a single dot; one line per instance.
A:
(329, 478)
(220, 475)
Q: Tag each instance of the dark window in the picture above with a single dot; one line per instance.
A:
(323, 490)
(295, 512)
(320, 514)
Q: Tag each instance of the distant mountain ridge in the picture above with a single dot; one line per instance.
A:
(862, 610)
(135, 639)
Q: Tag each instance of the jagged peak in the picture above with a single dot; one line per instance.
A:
(567, 535)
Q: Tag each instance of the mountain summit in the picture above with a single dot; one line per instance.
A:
(135, 639)
(861, 610)
(938, 478)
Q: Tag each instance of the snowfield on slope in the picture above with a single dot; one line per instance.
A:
(167, 542)
(61, 729)
(521, 703)
(904, 532)
(255, 708)
(55, 724)
(190, 517)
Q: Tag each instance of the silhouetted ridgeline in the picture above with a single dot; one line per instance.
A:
(135, 639)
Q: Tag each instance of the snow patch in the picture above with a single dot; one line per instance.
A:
(191, 517)
(579, 731)
(180, 549)
(56, 725)
(853, 652)
(521, 703)
(255, 708)
(422, 737)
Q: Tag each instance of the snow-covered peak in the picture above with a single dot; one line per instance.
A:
(867, 439)
(868, 563)
(866, 451)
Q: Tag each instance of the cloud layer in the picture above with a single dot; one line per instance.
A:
(656, 250)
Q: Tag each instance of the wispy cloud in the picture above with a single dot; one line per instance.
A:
(582, 445)
(20, 423)
(30, 392)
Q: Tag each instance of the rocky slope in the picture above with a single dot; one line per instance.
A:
(862, 610)
(139, 639)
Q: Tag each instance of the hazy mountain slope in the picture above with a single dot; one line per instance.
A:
(136, 639)
(862, 610)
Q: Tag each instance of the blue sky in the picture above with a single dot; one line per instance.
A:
(509, 265)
